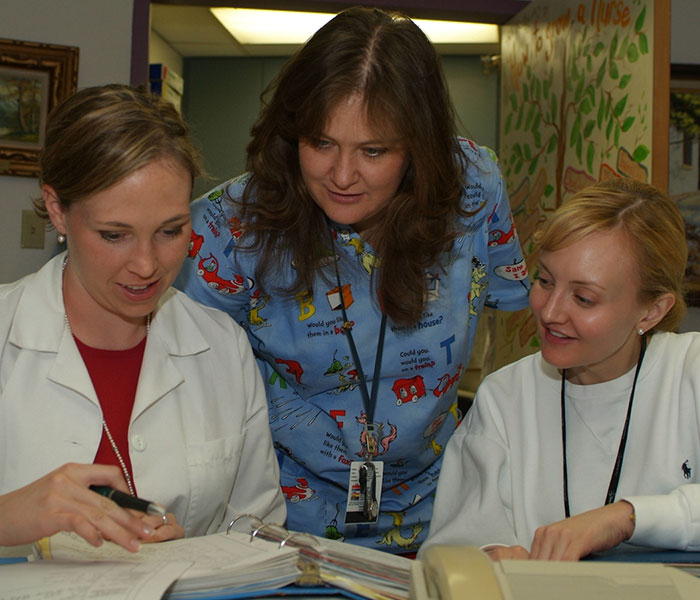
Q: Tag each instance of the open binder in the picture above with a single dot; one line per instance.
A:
(253, 559)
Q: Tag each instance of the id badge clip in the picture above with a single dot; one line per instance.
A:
(364, 491)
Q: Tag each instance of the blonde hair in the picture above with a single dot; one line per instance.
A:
(101, 134)
(654, 227)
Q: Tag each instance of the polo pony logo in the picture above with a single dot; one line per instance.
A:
(686, 470)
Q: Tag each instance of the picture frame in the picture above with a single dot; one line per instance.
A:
(684, 165)
(34, 77)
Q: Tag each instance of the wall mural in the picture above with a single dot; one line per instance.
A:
(576, 108)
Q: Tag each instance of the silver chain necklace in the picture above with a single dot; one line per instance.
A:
(112, 443)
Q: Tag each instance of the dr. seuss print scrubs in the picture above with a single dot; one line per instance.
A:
(316, 407)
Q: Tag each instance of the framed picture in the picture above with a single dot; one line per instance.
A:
(684, 165)
(34, 77)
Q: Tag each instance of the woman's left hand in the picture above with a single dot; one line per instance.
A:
(592, 531)
(163, 529)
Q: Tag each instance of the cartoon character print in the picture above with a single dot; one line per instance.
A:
(479, 283)
(432, 430)
(498, 237)
(332, 531)
(384, 442)
(368, 260)
(256, 305)
(293, 368)
(446, 382)
(299, 492)
(208, 270)
(395, 536)
(408, 389)
(346, 372)
(195, 246)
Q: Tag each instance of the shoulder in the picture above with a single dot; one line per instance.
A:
(482, 175)
(514, 381)
(189, 326)
(675, 347)
(225, 195)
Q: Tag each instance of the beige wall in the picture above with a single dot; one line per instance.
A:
(102, 31)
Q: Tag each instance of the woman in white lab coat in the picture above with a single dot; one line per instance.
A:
(108, 376)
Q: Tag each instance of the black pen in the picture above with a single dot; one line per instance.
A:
(128, 501)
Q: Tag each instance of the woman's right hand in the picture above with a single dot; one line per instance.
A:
(62, 501)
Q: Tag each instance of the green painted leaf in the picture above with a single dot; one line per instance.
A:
(624, 80)
(514, 101)
(538, 139)
(579, 91)
(548, 190)
(585, 106)
(629, 121)
(632, 53)
(608, 127)
(526, 92)
(643, 44)
(530, 114)
(614, 71)
(533, 166)
(552, 144)
(527, 152)
(599, 47)
(640, 153)
(639, 23)
(579, 149)
(519, 120)
(617, 136)
(518, 167)
(509, 120)
(601, 72)
(613, 46)
(620, 106)
(588, 129)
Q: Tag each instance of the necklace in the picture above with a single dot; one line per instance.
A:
(617, 469)
(108, 433)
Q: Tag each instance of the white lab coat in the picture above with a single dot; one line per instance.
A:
(199, 438)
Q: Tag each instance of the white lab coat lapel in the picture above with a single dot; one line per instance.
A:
(173, 333)
(39, 325)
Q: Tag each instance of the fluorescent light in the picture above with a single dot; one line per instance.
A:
(253, 26)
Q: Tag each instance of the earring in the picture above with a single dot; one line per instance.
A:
(61, 238)
(640, 331)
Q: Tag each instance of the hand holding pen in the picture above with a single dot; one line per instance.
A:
(165, 524)
(62, 501)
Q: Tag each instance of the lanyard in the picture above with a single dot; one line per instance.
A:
(369, 399)
(615, 478)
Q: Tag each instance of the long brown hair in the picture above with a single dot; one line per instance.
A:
(387, 61)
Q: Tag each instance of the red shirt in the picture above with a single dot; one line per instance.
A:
(115, 376)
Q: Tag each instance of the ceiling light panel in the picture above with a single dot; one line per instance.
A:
(253, 26)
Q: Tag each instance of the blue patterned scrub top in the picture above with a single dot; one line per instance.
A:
(315, 404)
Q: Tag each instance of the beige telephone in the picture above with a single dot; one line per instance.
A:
(454, 573)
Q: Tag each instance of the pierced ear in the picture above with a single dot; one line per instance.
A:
(57, 213)
(656, 311)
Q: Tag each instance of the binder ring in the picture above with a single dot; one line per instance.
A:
(254, 518)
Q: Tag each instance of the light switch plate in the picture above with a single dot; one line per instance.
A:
(33, 230)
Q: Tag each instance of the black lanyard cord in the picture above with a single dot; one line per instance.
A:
(617, 470)
(368, 400)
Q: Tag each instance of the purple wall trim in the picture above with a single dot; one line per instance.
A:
(141, 25)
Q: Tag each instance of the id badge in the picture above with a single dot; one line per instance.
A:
(364, 491)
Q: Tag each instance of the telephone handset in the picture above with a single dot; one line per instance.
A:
(454, 573)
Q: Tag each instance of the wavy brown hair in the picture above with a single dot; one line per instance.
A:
(654, 227)
(387, 61)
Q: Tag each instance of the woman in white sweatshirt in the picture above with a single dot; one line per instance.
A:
(595, 440)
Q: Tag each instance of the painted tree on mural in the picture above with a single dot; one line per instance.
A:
(581, 93)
